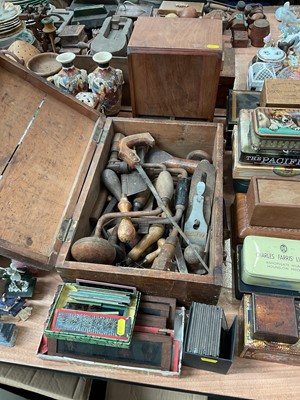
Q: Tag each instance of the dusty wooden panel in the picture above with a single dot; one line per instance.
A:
(184, 287)
(14, 95)
(37, 185)
(186, 35)
(43, 178)
(181, 59)
(178, 138)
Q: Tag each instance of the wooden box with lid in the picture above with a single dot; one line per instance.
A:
(53, 155)
(174, 67)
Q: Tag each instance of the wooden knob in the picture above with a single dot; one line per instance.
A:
(93, 250)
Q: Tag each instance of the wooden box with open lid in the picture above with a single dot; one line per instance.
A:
(54, 152)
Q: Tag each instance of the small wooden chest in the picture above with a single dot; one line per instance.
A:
(174, 67)
(51, 181)
(274, 202)
(283, 93)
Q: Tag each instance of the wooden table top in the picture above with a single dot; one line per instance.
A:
(246, 378)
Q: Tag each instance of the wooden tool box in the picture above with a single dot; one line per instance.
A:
(52, 155)
(174, 67)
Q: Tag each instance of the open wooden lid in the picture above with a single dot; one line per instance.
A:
(46, 147)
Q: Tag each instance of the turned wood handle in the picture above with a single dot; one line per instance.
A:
(126, 229)
(156, 231)
(112, 183)
(163, 261)
(151, 256)
(165, 186)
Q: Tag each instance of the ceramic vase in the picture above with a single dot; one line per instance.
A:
(106, 82)
(70, 79)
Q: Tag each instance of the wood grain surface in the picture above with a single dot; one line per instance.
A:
(46, 145)
(247, 379)
(181, 59)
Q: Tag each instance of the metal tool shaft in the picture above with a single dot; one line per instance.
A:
(167, 213)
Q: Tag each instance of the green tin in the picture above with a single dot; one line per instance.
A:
(271, 262)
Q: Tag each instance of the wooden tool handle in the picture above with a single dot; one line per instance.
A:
(112, 182)
(156, 231)
(140, 200)
(148, 260)
(163, 261)
(126, 229)
(188, 165)
(164, 186)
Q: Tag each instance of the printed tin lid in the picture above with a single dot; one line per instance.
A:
(271, 258)
(279, 123)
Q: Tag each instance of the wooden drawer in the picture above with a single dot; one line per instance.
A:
(179, 139)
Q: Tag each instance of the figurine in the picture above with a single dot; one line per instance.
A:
(14, 276)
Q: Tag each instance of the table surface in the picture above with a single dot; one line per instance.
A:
(246, 378)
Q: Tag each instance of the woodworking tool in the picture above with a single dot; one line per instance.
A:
(130, 156)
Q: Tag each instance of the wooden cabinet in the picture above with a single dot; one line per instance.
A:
(174, 67)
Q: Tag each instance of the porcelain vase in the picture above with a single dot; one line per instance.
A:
(106, 82)
(70, 79)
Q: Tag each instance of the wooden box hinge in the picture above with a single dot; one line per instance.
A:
(67, 229)
(99, 136)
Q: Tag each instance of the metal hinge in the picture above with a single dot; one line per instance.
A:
(67, 229)
(99, 136)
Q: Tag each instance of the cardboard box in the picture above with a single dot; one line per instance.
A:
(113, 390)
(78, 352)
(55, 385)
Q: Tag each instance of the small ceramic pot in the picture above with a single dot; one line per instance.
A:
(106, 82)
(70, 79)
(88, 98)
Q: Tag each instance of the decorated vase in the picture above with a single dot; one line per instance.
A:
(106, 82)
(70, 79)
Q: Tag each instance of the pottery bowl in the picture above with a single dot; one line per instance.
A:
(44, 64)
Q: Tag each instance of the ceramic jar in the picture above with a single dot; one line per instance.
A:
(271, 55)
(70, 79)
(106, 82)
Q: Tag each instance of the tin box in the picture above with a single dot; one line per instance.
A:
(271, 262)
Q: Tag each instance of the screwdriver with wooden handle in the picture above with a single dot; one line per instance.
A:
(130, 156)
(165, 188)
(126, 229)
